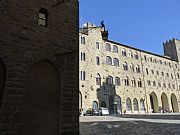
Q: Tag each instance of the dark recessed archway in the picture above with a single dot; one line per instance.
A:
(41, 104)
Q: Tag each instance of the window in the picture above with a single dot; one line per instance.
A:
(126, 80)
(159, 84)
(131, 66)
(150, 59)
(136, 56)
(147, 71)
(137, 69)
(123, 52)
(160, 61)
(169, 85)
(162, 73)
(173, 86)
(98, 79)
(133, 82)
(108, 47)
(154, 83)
(157, 72)
(97, 60)
(115, 49)
(125, 66)
(82, 56)
(117, 81)
(128, 104)
(139, 83)
(82, 40)
(149, 83)
(167, 74)
(109, 80)
(142, 106)
(177, 75)
(83, 75)
(145, 58)
(171, 76)
(152, 71)
(135, 104)
(164, 85)
(43, 17)
(97, 45)
(130, 55)
(108, 60)
(116, 62)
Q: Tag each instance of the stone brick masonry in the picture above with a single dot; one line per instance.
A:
(23, 44)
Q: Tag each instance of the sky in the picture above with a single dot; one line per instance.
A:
(143, 24)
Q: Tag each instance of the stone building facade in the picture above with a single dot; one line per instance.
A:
(127, 79)
(39, 65)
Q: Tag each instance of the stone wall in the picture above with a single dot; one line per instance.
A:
(23, 44)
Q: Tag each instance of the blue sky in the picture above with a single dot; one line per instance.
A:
(144, 24)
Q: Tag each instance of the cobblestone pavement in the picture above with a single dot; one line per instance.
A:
(114, 125)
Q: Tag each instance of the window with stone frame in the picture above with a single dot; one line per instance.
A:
(117, 81)
(109, 80)
(116, 62)
(149, 82)
(139, 83)
(115, 49)
(159, 84)
(131, 66)
(123, 52)
(98, 79)
(125, 66)
(43, 17)
(154, 83)
(83, 40)
(138, 69)
(83, 75)
(108, 60)
(126, 81)
(97, 60)
(133, 82)
(83, 57)
(97, 45)
(136, 56)
(108, 47)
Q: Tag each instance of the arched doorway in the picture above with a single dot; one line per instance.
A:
(115, 104)
(80, 100)
(41, 105)
(142, 106)
(154, 103)
(135, 105)
(174, 103)
(2, 80)
(128, 105)
(164, 100)
(103, 104)
(95, 105)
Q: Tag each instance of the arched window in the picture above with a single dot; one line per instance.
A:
(128, 104)
(115, 49)
(108, 60)
(109, 80)
(123, 52)
(108, 47)
(131, 66)
(117, 81)
(116, 62)
(177, 75)
(126, 81)
(83, 77)
(139, 83)
(83, 56)
(136, 56)
(97, 60)
(98, 79)
(142, 106)
(97, 45)
(135, 103)
(2, 80)
(130, 54)
(147, 71)
(125, 66)
(82, 40)
(137, 69)
(95, 105)
(133, 82)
